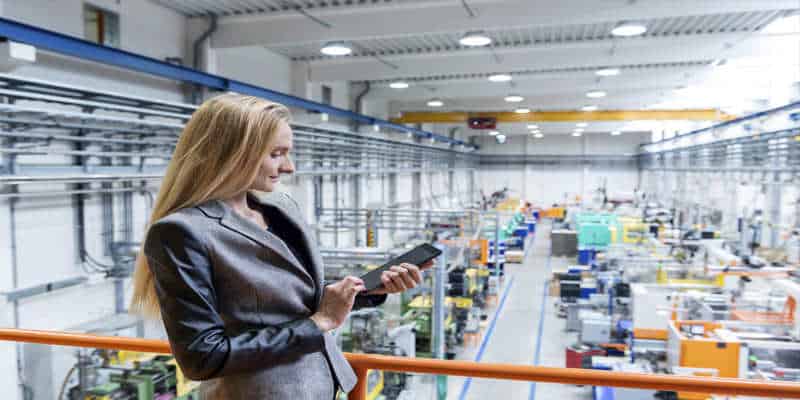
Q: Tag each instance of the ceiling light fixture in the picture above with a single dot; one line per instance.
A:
(494, 133)
(514, 98)
(576, 134)
(500, 78)
(616, 133)
(596, 94)
(589, 108)
(475, 39)
(336, 49)
(579, 130)
(581, 124)
(538, 136)
(522, 110)
(627, 29)
(533, 126)
(399, 85)
(501, 138)
(607, 72)
(435, 103)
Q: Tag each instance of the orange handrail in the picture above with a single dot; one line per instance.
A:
(363, 362)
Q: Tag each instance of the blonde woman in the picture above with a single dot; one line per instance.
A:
(237, 279)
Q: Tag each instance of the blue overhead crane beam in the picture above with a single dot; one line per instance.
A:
(72, 46)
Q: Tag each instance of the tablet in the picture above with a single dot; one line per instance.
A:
(416, 256)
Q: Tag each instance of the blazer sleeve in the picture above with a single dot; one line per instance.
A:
(182, 272)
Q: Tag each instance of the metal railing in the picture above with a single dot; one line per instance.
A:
(361, 363)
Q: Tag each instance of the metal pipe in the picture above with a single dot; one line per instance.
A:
(196, 53)
(75, 192)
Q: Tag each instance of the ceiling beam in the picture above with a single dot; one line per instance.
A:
(448, 16)
(565, 116)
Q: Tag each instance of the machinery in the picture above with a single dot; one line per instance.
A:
(120, 375)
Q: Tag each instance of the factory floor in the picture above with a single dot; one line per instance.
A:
(516, 336)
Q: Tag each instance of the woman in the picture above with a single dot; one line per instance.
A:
(237, 279)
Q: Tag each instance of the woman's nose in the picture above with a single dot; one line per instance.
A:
(287, 167)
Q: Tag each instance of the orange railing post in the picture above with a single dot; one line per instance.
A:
(363, 362)
(360, 391)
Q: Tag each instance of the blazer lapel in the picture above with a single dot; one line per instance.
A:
(316, 269)
(236, 223)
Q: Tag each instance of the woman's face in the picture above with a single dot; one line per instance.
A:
(277, 160)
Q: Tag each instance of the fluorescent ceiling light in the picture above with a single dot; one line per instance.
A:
(435, 103)
(494, 133)
(500, 78)
(576, 134)
(514, 98)
(589, 108)
(581, 124)
(629, 29)
(533, 126)
(522, 110)
(399, 85)
(579, 130)
(475, 39)
(607, 72)
(336, 49)
(595, 94)
(616, 133)
(538, 136)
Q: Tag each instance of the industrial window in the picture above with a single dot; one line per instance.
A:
(327, 95)
(100, 26)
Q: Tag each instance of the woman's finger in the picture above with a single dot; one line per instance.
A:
(414, 271)
(405, 276)
(397, 280)
(389, 283)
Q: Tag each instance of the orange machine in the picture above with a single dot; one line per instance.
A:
(785, 317)
(554, 212)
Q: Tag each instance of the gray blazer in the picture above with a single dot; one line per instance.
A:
(236, 303)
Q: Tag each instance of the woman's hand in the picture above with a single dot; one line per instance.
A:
(401, 277)
(337, 301)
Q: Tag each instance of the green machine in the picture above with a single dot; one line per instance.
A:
(596, 230)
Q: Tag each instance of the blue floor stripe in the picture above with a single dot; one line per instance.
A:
(485, 341)
(538, 352)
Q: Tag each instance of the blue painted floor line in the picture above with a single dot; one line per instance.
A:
(538, 352)
(489, 332)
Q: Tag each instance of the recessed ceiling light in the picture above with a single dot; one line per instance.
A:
(596, 94)
(581, 124)
(435, 103)
(514, 98)
(579, 130)
(589, 108)
(607, 72)
(500, 78)
(494, 133)
(538, 136)
(628, 29)
(475, 39)
(522, 110)
(616, 133)
(336, 49)
(532, 126)
(576, 134)
(399, 85)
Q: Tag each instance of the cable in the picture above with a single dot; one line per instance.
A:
(66, 379)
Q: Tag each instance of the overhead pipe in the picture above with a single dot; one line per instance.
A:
(355, 125)
(196, 95)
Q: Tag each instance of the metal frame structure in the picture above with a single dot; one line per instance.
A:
(762, 147)
(71, 46)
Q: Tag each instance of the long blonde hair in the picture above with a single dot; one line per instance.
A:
(217, 157)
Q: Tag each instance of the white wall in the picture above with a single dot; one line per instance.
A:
(549, 183)
(142, 23)
(255, 65)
